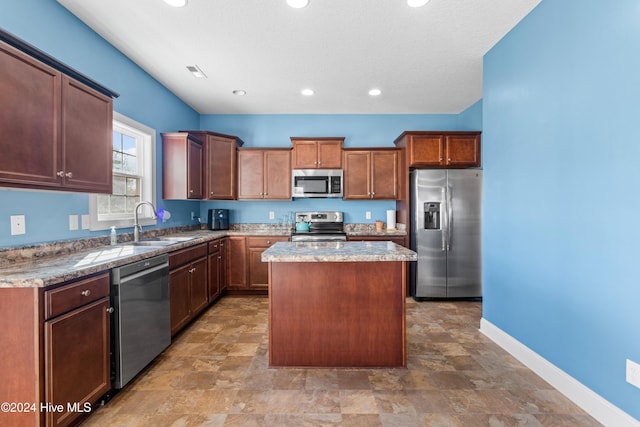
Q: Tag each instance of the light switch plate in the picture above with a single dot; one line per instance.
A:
(18, 225)
(73, 222)
(367, 215)
(633, 373)
(272, 215)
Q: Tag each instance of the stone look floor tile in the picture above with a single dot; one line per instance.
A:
(216, 373)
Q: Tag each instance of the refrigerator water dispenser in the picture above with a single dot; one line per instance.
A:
(432, 216)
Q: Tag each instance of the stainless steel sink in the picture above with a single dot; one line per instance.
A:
(162, 241)
(175, 239)
(153, 243)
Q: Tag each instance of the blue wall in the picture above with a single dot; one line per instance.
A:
(266, 130)
(561, 208)
(51, 28)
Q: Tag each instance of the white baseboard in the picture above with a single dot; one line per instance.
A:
(594, 404)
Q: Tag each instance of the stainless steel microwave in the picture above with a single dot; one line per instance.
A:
(316, 182)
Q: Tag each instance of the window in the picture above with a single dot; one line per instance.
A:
(133, 177)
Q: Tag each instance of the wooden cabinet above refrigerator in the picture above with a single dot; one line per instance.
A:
(436, 149)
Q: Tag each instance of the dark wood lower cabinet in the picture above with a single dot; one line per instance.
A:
(217, 268)
(188, 284)
(54, 350)
(76, 361)
(179, 297)
(236, 263)
(247, 273)
(347, 314)
(400, 240)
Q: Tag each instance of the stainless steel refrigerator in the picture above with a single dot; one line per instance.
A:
(446, 232)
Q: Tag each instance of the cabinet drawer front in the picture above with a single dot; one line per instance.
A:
(185, 256)
(70, 297)
(215, 246)
(266, 241)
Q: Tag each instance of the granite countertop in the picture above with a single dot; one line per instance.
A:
(44, 271)
(337, 252)
(52, 263)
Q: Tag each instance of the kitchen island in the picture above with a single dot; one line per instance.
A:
(337, 304)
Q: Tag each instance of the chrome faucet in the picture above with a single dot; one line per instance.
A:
(137, 228)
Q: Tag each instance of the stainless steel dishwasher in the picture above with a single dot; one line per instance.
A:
(141, 321)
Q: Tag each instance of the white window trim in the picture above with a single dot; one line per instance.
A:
(149, 192)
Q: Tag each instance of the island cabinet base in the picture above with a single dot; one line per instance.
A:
(337, 314)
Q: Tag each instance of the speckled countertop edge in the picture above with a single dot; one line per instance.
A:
(48, 264)
(337, 252)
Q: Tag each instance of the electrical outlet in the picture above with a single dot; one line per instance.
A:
(633, 373)
(272, 215)
(367, 215)
(85, 222)
(73, 222)
(18, 225)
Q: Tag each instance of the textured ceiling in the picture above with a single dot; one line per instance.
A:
(426, 60)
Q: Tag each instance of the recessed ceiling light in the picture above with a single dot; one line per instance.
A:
(307, 92)
(176, 3)
(298, 4)
(375, 92)
(197, 72)
(239, 92)
(417, 3)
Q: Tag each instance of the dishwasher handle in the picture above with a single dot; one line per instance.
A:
(136, 269)
(143, 273)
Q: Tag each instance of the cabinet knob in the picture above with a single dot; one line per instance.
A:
(68, 174)
(441, 158)
(110, 310)
(219, 257)
(268, 242)
(60, 174)
(192, 270)
(449, 159)
(85, 293)
(190, 191)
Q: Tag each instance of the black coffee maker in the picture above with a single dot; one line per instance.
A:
(218, 219)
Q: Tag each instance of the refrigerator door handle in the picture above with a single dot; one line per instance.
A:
(444, 219)
(449, 216)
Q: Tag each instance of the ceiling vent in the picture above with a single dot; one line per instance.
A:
(197, 72)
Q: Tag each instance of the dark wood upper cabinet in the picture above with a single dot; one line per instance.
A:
(264, 173)
(60, 128)
(182, 162)
(87, 129)
(370, 174)
(316, 153)
(441, 149)
(462, 150)
(200, 165)
(220, 167)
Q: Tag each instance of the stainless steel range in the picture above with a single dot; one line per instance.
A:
(324, 226)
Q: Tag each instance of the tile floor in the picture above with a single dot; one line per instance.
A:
(216, 374)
